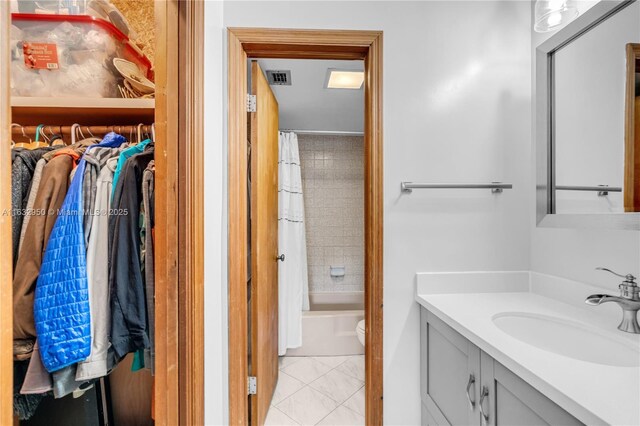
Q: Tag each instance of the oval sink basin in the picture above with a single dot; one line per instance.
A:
(567, 338)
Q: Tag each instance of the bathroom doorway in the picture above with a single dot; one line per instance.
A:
(307, 205)
(312, 352)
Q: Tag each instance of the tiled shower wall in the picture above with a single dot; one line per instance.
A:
(333, 185)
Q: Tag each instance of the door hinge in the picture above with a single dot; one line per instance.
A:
(251, 103)
(252, 385)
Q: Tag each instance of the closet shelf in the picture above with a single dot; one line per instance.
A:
(86, 111)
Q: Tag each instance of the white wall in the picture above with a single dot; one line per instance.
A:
(574, 253)
(456, 108)
(215, 205)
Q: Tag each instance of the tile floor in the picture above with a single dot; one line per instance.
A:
(323, 390)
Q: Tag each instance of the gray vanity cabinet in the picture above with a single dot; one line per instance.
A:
(450, 364)
(510, 401)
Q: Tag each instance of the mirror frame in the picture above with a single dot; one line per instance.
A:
(544, 128)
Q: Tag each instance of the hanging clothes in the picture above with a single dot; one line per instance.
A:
(22, 170)
(148, 214)
(98, 278)
(45, 208)
(72, 378)
(128, 300)
(24, 406)
(67, 310)
(65, 383)
(49, 199)
(293, 284)
(126, 154)
(37, 380)
(72, 323)
(95, 159)
(33, 191)
(61, 304)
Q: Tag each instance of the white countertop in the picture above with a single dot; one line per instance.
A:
(593, 393)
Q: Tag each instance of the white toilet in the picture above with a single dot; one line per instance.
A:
(360, 331)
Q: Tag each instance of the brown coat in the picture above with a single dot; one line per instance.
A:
(51, 192)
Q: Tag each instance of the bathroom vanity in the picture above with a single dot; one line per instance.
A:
(520, 348)
(461, 384)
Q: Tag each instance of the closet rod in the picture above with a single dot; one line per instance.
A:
(323, 132)
(17, 130)
(87, 131)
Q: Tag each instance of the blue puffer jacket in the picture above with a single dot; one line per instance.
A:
(61, 305)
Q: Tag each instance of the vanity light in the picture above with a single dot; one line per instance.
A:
(552, 14)
(344, 79)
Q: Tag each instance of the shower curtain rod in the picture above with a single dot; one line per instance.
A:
(323, 132)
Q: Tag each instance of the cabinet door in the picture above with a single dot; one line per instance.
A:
(510, 401)
(450, 365)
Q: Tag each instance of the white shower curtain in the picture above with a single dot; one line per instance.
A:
(293, 285)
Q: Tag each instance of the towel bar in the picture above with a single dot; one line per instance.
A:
(495, 187)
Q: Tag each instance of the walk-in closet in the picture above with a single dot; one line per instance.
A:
(83, 180)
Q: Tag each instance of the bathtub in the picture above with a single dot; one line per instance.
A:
(329, 327)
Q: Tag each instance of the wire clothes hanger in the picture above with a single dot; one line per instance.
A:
(56, 138)
(140, 132)
(22, 144)
(43, 133)
(13, 143)
(74, 129)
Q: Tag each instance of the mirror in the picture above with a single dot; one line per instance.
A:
(588, 142)
(632, 131)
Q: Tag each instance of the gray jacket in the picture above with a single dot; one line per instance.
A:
(96, 159)
(22, 169)
(98, 277)
(148, 213)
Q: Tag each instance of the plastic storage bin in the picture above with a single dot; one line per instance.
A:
(69, 56)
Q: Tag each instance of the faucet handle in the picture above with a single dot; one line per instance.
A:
(628, 288)
(627, 278)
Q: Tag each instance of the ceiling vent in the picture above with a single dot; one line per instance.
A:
(279, 77)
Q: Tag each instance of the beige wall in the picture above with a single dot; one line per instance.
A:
(333, 185)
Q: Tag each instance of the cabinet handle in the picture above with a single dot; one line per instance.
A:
(483, 395)
(471, 381)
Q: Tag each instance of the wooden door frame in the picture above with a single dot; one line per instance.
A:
(6, 260)
(179, 243)
(244, 43)
(179, 212)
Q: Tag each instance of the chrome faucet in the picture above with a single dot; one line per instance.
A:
(629, 301)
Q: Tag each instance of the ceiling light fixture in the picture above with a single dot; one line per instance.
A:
(344, 79)
(553, 14)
